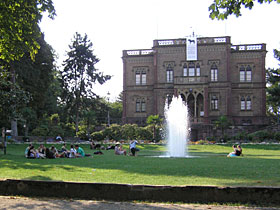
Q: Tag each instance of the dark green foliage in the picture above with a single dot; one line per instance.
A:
(97, 136)
(19, 29)
(221, 9)
(79, 75)
(260, 136)
(12, 100)
(273, 89)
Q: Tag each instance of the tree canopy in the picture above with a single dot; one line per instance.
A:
(273, 90)
(221, 9)
(79, 75)
(19, 27)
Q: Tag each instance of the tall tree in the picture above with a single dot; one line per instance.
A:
(19, 30)
(79, 75)
(221, 9)
(273, 89)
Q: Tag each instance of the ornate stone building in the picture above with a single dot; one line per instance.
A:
(214, 77)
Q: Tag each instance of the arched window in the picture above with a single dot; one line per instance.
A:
(197, 70)
(143, 105)
(242, 103)
(248, 73)
(245, 73)
(169, 74)
(248, 103)
(140, 77)
(214, 73)
(185, 70)
(242, 73)
(140, 105)
(191, 70)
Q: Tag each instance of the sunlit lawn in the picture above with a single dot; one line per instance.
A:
(260, 166)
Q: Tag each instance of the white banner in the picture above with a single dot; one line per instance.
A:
(191, 52)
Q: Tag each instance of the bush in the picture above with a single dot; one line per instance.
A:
(260, 136)
(41, 130)
(143, 133)
(113, 132)
(98, 136)
(277, 136)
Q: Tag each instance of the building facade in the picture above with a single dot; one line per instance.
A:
(213, 76)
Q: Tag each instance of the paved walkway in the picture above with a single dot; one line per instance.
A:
(16, 203)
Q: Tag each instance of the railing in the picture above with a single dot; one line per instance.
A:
(190, 80)
(137, 52)
(248, 47)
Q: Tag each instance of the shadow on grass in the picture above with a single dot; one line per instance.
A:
(209, 165)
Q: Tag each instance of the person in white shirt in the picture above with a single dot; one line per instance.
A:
(132, 147)
(72, 153)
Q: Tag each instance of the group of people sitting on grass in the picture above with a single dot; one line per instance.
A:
(237, 151)
(117, 147)
(52, 152)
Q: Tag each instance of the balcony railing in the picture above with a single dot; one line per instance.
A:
(190, 80)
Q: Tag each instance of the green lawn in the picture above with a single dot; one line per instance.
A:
(260, 166)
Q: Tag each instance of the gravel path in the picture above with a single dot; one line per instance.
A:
(16, 203)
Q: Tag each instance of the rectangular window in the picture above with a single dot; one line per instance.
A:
(248, 76)
(242, 76)
(248, 105)
(191, 72)
(138, 106)
(214, 74)
(144, 78)
(214, 104)
(185, 71)
(138, 79)
(198, 72)
(169, 75)
(243, 105)
(143, 106)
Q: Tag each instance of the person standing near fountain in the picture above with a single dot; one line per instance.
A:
(132, 147)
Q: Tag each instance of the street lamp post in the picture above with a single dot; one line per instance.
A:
(108, 114)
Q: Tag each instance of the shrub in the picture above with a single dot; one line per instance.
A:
(262, 135)
(143, 133)
(277, 136)
(113, 132)
(41, 130)
(98, 136)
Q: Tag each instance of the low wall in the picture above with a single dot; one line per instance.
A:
(124, 192)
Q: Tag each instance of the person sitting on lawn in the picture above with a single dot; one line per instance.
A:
(93, 145)
(72, 153)
(79, 151)
(64, 151)
(50, 154)
(56, 153)
(42, 150)
(26, 150)
(236, 152)
(119, 150)
(31, 153)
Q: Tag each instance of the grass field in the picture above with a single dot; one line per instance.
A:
(260, 166)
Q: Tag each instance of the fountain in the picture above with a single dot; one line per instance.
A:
(177, 127)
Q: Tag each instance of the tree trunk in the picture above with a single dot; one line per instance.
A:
(13, 80)
(77, 123)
